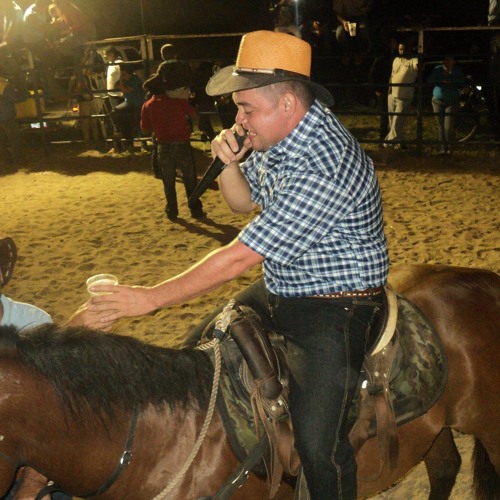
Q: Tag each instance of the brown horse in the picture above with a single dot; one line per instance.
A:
(70, 397)
(463, 305)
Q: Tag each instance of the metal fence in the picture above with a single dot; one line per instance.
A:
(354, 103)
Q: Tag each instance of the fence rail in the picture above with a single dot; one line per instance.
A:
(419, 114)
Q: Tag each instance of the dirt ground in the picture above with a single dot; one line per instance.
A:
(75, 213)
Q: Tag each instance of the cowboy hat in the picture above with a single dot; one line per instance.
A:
(264, 58)
(175, 74)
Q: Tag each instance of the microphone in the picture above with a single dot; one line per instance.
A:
(212, 173)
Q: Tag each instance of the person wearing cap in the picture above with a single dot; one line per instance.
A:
(318, 236)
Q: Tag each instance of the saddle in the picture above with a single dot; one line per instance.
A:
(402, 377)
(254, 396)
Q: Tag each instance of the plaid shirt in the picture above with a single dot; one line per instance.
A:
(321, 227)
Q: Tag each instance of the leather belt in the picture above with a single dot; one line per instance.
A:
(368, 292)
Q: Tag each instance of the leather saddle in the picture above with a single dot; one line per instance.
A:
(401, 379)
(254, 395)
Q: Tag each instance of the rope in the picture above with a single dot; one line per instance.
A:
(211, 407)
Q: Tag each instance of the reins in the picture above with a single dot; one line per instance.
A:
(240, 476)
(124, 461)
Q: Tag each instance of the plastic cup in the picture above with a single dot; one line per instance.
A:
(101, 279)
(352, 29)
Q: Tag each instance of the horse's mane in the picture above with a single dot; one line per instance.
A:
(101, 372)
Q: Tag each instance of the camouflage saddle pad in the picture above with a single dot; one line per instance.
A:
(418, 372)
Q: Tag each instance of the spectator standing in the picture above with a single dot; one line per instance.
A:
(493, 89)
(168, 116)
(447, 78)
(379, 76)
(37, 38)
(113, 74)
(126, 115)
(204, 103)
(78, 27)
(10, 144)
(352, 32)
(401, 91)
(80, 89)
(284, 16)
(36, 24)
(115, 95)
(11, 19)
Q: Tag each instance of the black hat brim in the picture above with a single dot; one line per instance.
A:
(227, 81)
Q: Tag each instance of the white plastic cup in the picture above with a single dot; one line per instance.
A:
(101, 279)
(352, 29)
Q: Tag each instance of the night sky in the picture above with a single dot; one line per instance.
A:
(114, 18)
(119, 18)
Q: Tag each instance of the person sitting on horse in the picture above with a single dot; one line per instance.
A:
(319, 237)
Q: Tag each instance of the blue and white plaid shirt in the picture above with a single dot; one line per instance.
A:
(320, 228)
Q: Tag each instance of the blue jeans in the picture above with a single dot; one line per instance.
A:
(326, 341)
(445, 119)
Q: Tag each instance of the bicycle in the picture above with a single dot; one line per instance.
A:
(471, 108)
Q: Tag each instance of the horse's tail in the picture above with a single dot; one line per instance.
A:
(486, 481)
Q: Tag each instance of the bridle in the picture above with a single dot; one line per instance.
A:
(123, 462)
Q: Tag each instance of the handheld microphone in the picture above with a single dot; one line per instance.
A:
(212, 173)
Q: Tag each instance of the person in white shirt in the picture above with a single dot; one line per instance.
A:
(401, 91)
(113, 75)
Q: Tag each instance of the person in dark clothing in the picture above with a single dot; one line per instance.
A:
(10, 149)
(170, 65)
(126, 115)
(204, 103)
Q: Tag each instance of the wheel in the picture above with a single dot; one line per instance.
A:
(466, 127)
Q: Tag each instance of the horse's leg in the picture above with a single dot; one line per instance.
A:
(442, 462)
(486, 481)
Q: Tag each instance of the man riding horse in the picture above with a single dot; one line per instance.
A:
(319, 237)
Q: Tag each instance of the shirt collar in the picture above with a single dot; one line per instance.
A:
(293, 144)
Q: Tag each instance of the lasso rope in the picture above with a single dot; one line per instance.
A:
(220, 328)
(215, 384)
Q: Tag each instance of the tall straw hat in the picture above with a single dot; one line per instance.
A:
(264, 58)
